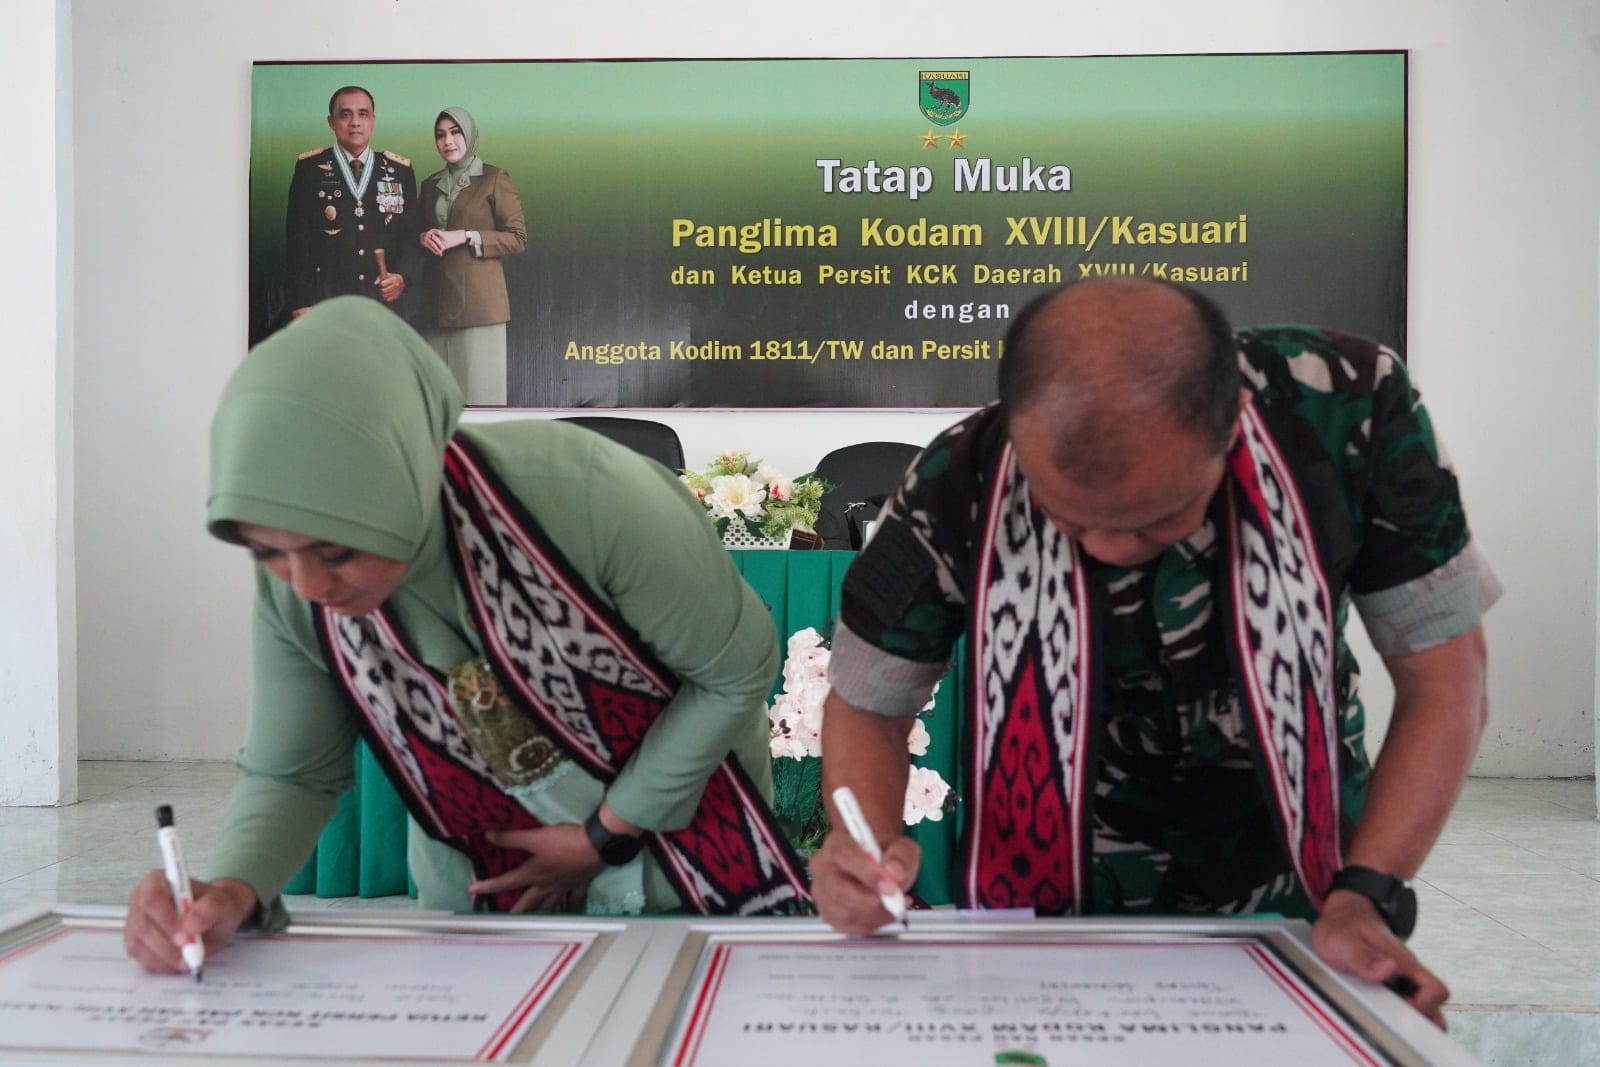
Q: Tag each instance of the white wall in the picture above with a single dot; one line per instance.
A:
(1503, 335)
(38, 714)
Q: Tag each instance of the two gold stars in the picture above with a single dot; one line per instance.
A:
(955, 137)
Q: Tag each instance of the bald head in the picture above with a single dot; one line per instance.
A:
(1103, 361)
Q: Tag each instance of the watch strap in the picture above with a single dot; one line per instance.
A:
(614, 849)
(1395, 900)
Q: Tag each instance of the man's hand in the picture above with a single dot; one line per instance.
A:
(848, 884)
(390, 287)
(1351, 937)
(153, 933)
(1439, 712)
(866, 752)
(556, 875)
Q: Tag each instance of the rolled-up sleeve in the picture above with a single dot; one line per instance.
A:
(1419, 579)
(870, 679)
(902, 607)
(1432, 609)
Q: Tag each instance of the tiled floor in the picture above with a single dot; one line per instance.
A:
(94, 851)
(1510, 897)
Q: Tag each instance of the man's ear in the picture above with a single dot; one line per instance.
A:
(331, 126)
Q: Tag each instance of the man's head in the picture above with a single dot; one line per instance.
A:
(351, 117)
(1122, 397)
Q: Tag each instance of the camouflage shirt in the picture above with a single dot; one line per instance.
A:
(1181, 823)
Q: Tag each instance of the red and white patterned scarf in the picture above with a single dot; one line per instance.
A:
(1032, 719)
(570, 661)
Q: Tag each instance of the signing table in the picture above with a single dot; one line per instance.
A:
(362, 852)
(349, 988)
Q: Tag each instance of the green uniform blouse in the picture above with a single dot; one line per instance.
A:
(643, 546)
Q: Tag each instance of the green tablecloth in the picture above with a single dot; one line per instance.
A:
(362, 852)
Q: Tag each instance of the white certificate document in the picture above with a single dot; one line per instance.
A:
(418, 997)
(1219, 1001)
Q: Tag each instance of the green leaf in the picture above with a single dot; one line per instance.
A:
(797, 801)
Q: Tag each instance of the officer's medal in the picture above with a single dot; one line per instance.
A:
(357, 189)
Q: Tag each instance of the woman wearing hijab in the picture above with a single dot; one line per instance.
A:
(486, 605)
(476, 218)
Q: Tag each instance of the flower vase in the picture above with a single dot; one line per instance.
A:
(738, 535)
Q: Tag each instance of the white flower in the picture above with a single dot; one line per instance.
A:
(917, 743)
(806, 660)
(785, 716)
(925, 795)
(932, 696)
(780, 713)
(805, 669)
(813, 695)
(801, 640)
(796, 712)
(808, 729)
(735, 494)
(787, 746)
(815, 659)
(767, 475)
(793, 680)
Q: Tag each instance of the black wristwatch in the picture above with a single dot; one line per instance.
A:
(1396, 902)
(614, 849)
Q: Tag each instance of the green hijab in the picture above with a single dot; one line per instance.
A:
(457, 176)
(334, 428)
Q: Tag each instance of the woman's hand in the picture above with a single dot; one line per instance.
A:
(441, 241)
(556, 875)
(153, 933)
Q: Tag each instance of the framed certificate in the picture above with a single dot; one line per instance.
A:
(666, 992)
(339, 988)
(1042, 992)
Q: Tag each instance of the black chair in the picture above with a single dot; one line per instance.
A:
(656, 440)
(863, 476)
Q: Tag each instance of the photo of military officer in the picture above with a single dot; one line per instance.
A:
(352, 222)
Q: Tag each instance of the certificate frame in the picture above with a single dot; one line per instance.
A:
(559, 1034)
(1384, 1022)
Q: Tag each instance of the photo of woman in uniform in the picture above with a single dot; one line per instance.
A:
(475, 218)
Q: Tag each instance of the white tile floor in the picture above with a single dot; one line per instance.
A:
(1510, 897)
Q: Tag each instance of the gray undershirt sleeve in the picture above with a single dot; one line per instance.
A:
(870, 679)
(1427, 611)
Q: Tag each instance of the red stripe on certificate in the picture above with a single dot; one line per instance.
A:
(695, 1032)
(36, 944)
(499, 1042)
(1352, 1045)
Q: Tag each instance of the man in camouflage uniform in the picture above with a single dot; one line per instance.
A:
(352, 213)
(1151, 544)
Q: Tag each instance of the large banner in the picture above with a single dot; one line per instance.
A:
(831, 232)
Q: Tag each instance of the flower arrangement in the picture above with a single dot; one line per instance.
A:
(736, 488)
(796, 743)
